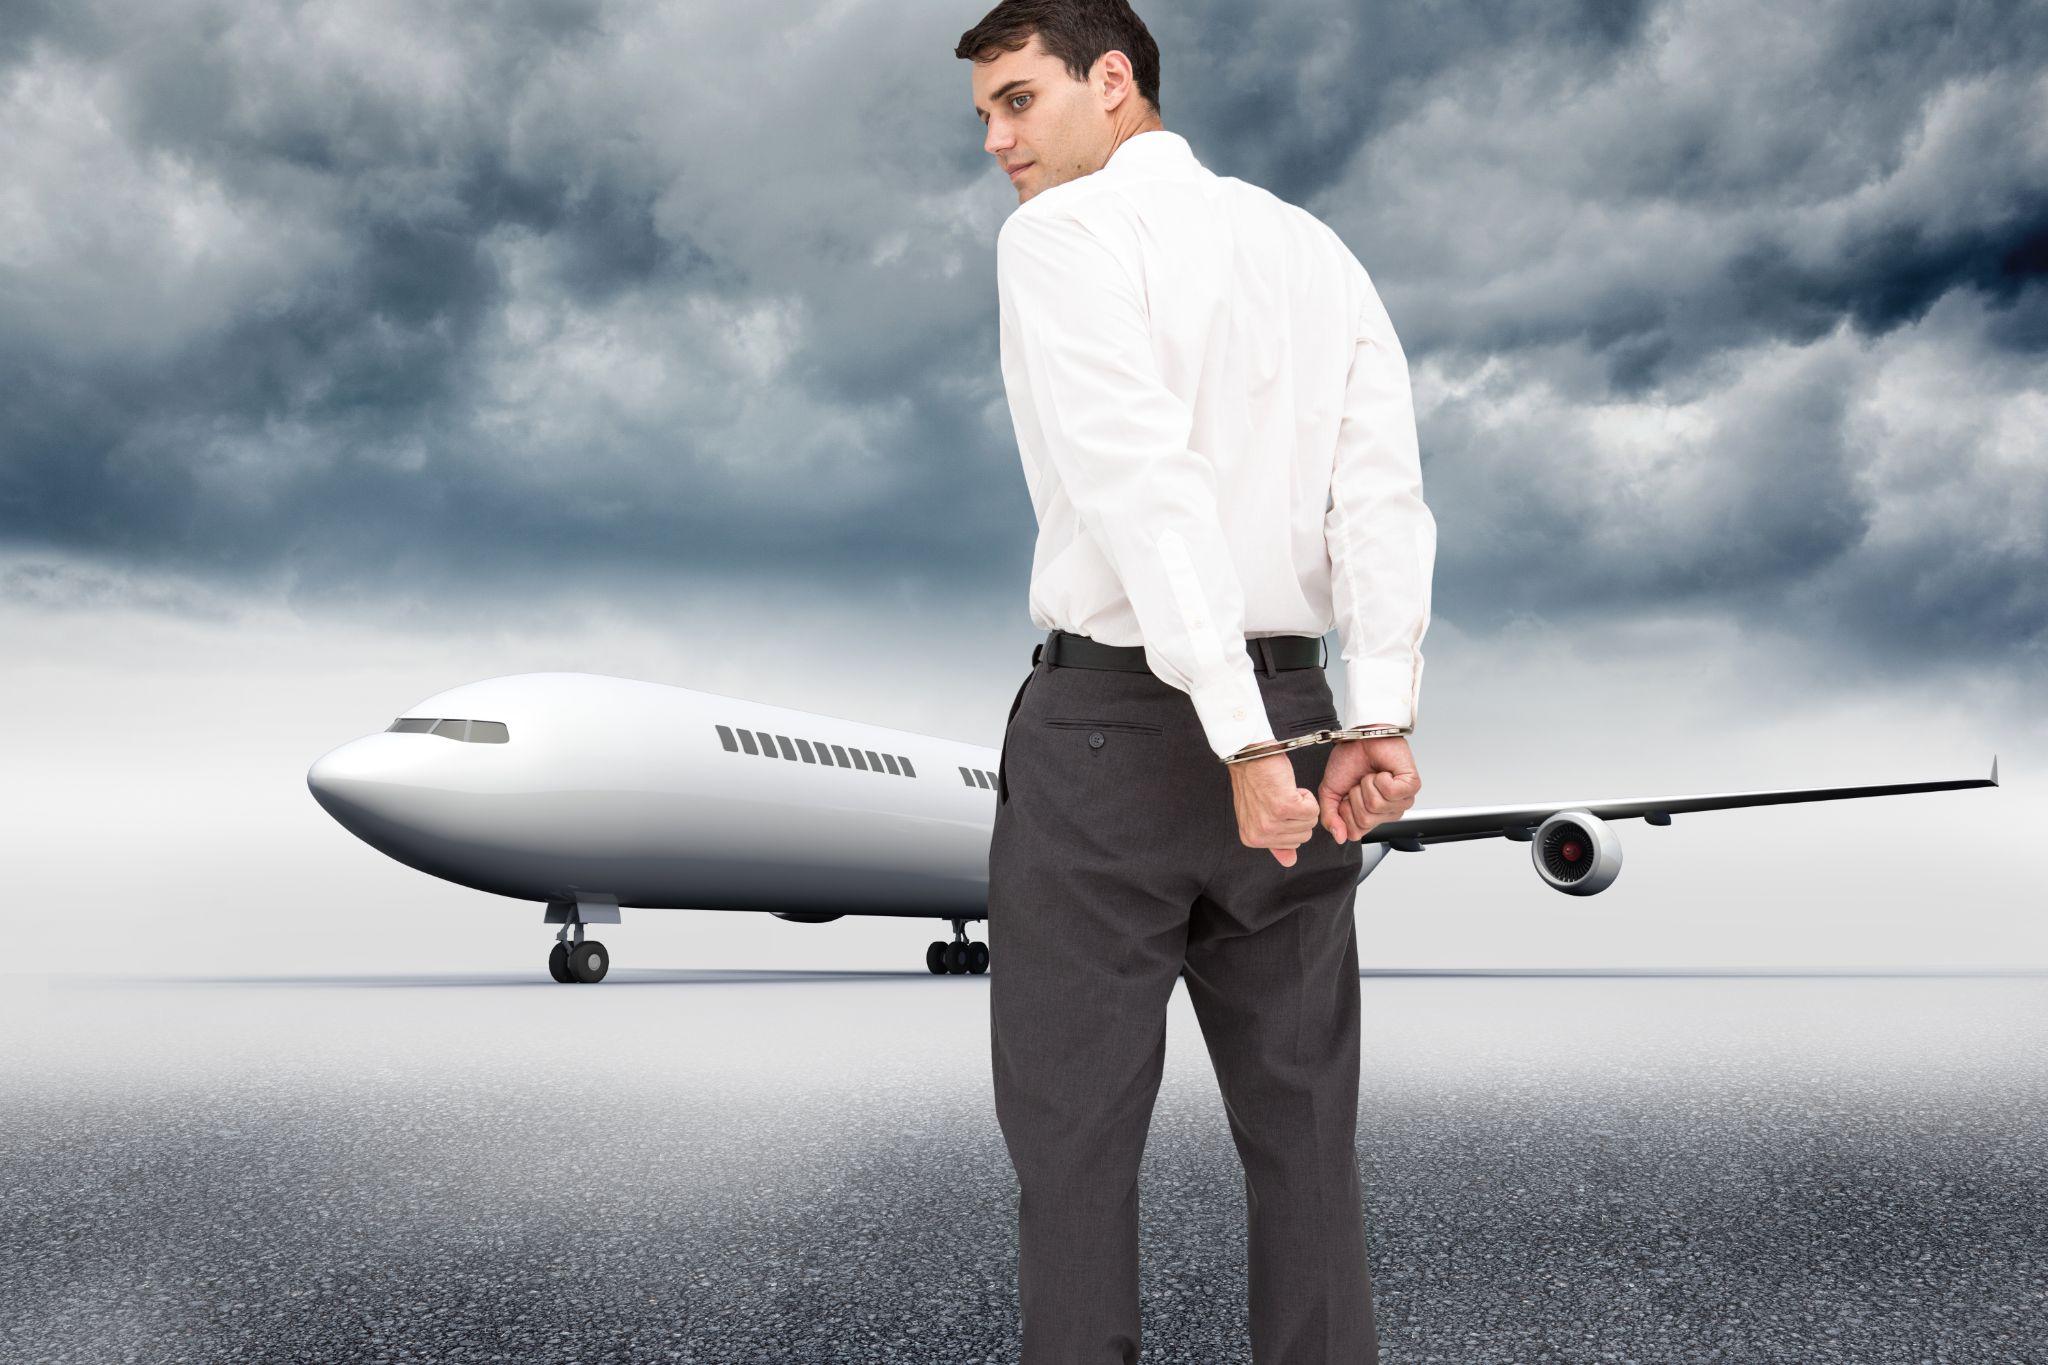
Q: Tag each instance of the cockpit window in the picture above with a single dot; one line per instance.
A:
(470, 731)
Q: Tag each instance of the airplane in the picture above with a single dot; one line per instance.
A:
(593, 794)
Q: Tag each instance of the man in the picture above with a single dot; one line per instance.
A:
(1218, 437)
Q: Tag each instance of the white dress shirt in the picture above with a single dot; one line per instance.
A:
(1216, 429)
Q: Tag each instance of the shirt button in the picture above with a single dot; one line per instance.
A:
(1237, 714)
(1095, 739)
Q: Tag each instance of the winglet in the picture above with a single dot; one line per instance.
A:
(1994, 770)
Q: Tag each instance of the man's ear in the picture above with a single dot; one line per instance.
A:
(1113, 73)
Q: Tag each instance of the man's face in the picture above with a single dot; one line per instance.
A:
(1041, 119)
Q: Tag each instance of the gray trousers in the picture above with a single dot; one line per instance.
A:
(1115, 870)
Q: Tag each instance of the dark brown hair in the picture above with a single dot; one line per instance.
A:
(1076, 31)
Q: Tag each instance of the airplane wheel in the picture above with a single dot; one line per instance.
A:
(558, 964)
(953, 956)
(589, 961)
(977, 958)
(935, 958)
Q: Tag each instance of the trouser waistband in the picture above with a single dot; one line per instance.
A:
(1272, 653)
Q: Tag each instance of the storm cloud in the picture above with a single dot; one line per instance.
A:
(1720, 308)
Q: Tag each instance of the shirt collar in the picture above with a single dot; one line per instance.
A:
(1155, 147)
(1159, 149)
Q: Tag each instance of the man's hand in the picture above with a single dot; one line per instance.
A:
(1366, 781)
(1271, 811)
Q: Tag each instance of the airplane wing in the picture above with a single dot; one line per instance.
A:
(1519, 822)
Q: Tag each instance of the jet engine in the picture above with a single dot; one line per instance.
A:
(1576, 853)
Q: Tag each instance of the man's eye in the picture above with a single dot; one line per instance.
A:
(1015, 98)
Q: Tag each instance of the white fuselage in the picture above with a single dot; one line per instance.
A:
(608, 788)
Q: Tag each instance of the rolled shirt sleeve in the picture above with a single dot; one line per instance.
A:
(1118, 437)
(1380, 534)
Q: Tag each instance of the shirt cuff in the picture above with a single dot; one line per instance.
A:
(1377, 692)
(1231, 709)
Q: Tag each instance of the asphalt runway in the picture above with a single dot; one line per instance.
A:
(799, 1166)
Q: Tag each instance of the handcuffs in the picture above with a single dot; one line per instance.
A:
(1266, 748)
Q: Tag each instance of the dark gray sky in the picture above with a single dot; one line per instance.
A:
(352, 351)
(1721, 306)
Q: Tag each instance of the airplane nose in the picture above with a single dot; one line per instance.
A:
(343, 779)
(384, 787)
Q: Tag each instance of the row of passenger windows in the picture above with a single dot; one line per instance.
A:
(831, 755)
(978, 777)
(474, 731)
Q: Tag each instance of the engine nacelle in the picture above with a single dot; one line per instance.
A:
(1576, 852)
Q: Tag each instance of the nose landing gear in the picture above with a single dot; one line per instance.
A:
(587, 961)
(577, 959)
(958, 957)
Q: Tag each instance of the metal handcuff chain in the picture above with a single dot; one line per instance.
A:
(1266, 748)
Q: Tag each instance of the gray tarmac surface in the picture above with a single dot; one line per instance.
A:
(800, 1166)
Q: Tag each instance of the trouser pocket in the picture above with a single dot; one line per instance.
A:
(1136, 727)
(1003, 754)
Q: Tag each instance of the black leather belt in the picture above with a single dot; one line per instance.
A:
(1064, 649)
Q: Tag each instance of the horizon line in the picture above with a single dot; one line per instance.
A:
(788, 975)
(1706, 971)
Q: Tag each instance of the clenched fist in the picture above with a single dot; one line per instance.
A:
(1366, 781)
(1271, 811)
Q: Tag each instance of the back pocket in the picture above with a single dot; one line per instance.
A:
(1137, 727)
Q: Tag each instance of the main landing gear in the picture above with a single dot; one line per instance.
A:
(958, 957)
(574, 958)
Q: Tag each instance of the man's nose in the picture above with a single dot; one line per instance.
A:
(996, 143)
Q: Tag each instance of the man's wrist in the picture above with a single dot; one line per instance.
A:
(1381, 688)
(1232, 711)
